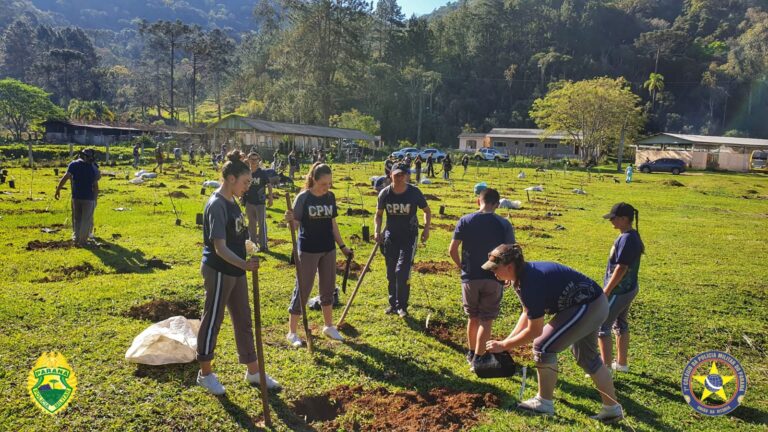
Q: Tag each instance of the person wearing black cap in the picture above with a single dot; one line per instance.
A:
(578, 306)
(620, 284)
(85, 186)
(398, 240)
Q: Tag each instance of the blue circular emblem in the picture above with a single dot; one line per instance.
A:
(714, 383)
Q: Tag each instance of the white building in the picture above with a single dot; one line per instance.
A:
(527, 142)
(700, 151)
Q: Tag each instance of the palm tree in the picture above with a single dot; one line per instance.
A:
(654, 84)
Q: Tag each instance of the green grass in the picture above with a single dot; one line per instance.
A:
(702, 288)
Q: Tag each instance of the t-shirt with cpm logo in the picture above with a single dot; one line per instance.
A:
(84, 175)
(627, 249)
(223, 219)
(256, 194)
(402, 224)
(479, 234)
(549, 288)
(315, 214)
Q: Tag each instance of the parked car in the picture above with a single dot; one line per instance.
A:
(490, 154)
(437, 155)
(675, 166)
(403, 152)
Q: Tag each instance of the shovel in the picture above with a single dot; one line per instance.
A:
(260, 348)
(178, 221)
(357, 287)
(346, 273)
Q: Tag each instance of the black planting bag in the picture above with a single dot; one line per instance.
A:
(494, 365)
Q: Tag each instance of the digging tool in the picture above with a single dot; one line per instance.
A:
(346, 273)
(178, 221)
(260, 348)
(295, 255)
(357, 287)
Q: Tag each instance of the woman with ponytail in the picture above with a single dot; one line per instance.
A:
(620, 284)
(224, 266)
(314, 213)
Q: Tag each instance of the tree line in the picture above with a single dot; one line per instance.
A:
(697, 66)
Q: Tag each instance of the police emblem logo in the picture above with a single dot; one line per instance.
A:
(714, 383)
(51, 382)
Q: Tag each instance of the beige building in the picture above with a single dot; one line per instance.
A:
(700, 151)
(527, 142)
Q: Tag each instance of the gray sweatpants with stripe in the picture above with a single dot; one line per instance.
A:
(231, 291)
(323, 264)
(257, 225)
(618, 309)
(575, 327)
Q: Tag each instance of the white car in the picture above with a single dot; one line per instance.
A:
(403, 152)
(437, 155)
(490, 154)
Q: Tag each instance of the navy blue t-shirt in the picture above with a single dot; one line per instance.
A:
(627, 250)
(223, 219)
(549, 287)
(315, 214)
(402, 226)
(257, 194)
(480, 233)
(84, 175)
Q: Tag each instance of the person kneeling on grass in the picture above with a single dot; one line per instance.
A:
(477, 234)
(620, 284)
(314, 213)
(579, 307)
(223, 268)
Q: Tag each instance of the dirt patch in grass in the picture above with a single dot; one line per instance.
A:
(183, 187)
(354, 268)
(431, 197)
(447, 227)
(539, 234)
(68, 273)
(379, 409)
(157, 263)
(178, 194)
(362, 184)
(276, 242)
(161, 309)
(157, 185)
(346, 178)
(434, 267)
(449, 334)
(55, 244)
(357, 212)
(672, 183)
(371, 193)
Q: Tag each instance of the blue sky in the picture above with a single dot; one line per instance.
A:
(420, 7)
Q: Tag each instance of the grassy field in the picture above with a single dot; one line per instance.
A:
(702, 288)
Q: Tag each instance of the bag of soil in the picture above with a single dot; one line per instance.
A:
(494, 365)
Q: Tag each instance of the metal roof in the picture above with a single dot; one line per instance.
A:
(238, 122)
(670, 138)
(123, 127)
(519, 134)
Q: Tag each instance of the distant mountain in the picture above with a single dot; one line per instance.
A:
(231, 15)
(443, 10)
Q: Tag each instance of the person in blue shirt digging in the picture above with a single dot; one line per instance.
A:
(478, 233)
(85, 190)
(578, 306)
(398, 240)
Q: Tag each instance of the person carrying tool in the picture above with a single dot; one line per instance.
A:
(223, 268)
(314, 213)
(256, 200)
(85, 176)
(398, 240)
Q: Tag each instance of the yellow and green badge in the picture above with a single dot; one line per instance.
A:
(52, 382)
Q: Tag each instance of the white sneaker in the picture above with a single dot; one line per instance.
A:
(332, 333)
(294, 340)
(210, 382)
(619, 367)
(538, 405)
(610, 414)
(256, 380)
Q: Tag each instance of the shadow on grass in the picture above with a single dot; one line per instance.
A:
(238, 414)
(277, 255)
(440, 330)
(183, 373)
(120, 259)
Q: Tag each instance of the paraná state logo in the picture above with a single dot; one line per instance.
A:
(714, 383)
(51, 382)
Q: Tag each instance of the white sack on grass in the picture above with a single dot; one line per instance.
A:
(211, 183)
(579, 191)
(507, 204)
(171, 341)
(149, 175)
(538, 188)
(139, 173)
(426, 181)
(521, 175)
(137, 180)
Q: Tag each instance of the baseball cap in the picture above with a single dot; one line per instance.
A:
(88, 152)
(620, 209)
(400, 167)
(503, 254)
(480, 187)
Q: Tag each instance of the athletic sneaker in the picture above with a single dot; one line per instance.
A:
(609, 414)
(390, 310)
(332, 333)
(255, 380)
(210, 382)
(619, 367)
(538, 405)
(294, 340)
(470, 356)
(402, 313)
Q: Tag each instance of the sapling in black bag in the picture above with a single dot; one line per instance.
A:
(494, 365)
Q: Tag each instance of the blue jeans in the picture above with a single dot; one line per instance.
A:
(399, 259)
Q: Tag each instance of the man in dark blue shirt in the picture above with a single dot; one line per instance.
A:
(478, 233)
(85, 184)
(259, 195)
(398, 240)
